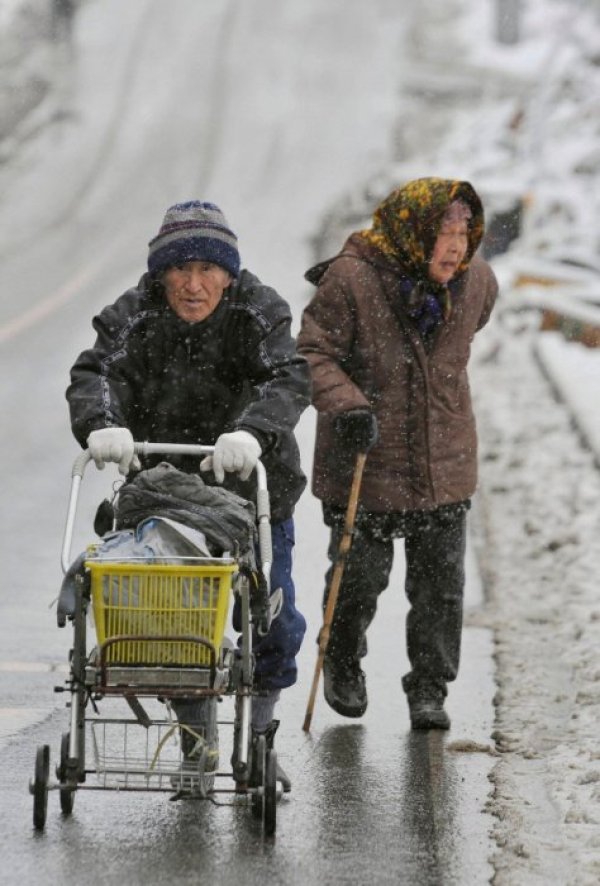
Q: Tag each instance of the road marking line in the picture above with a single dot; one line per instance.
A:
(31, 667)
(14, 327)
(16, 720)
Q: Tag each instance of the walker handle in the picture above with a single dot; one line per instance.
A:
(263, 509)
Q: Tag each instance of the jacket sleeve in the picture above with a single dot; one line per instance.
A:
(278, 377)
(489, 284)
(103, 377)
(326, 340)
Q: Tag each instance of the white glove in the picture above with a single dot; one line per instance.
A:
(237, 452)
(113, 444)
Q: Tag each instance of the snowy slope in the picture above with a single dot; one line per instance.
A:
(538, 531)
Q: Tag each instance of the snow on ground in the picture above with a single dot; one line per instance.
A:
(537, 537)
(574, 371)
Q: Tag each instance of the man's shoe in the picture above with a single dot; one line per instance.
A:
(428, 713)
(344, 688)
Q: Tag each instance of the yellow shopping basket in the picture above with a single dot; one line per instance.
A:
(148, 600)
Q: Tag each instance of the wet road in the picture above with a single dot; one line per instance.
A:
(370, 800)
(231, 115)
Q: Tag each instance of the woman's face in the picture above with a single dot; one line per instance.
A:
(449, 250)
(194, 289)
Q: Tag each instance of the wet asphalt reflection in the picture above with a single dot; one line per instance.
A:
(369, 804)
(394, 819)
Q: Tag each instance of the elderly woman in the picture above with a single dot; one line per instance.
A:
(387, 336)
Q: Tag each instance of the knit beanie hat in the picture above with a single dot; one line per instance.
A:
(194, 231)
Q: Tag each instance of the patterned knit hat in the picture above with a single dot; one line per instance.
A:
(194, 231)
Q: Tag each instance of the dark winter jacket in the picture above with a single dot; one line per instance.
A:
(365, 351)
(170, 381)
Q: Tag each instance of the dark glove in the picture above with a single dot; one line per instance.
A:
(357, 429)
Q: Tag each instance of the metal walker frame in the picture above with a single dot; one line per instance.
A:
(173, 648)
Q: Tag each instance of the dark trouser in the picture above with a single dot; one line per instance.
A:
(435, 544)
(275, 653)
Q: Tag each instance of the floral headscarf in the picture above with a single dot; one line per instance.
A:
(406, 224)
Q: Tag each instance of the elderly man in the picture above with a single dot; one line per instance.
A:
(201, 352)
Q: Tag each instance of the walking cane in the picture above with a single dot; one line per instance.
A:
(336, 579)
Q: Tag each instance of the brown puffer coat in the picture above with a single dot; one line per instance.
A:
(364, 350)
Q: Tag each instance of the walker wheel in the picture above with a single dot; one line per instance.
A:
(39, 786)
(257, 775)
(264, 776)
(270, 794)
(67, 797)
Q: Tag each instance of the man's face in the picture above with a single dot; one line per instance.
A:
(449, 250)
(194, 289)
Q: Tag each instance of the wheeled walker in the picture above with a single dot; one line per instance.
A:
(161, 647)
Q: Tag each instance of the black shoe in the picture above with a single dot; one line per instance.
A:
(345, 688)
(427, 712)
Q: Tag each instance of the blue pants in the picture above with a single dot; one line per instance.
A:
(276, 652)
